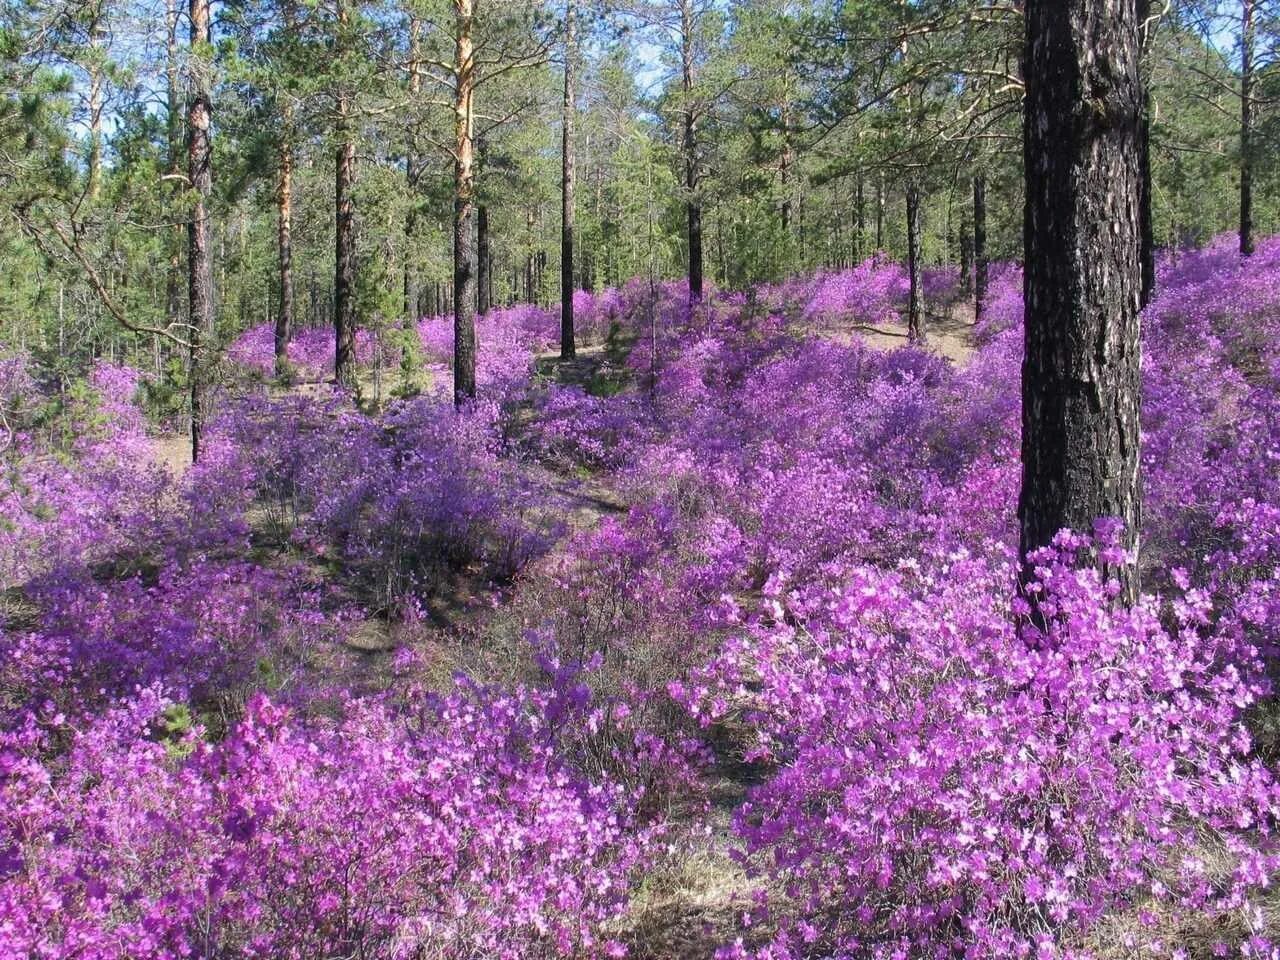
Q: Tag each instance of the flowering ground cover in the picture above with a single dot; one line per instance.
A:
(798, 580)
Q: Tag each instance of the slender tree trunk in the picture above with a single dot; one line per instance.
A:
(344, 260)
(567, 347)
(200, 174)
(979, 245)
(1080, 375)
(173, 119)
(966, 257)
(464, 254)
(344, 272)
(1146, 214)
(484, 261)
(693, 206)
(880, 212)
(859, 238)
(284, 244)
(915, 313)
(97, 84)
(411, 173)
(1246, 126)
(1146, 218)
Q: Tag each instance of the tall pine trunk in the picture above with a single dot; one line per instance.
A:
(1146, 214)
(1246, 126)
(567, 346)
(464, 202)
(411, 162)
(689, 146)
(173, 120)
(860, 212)
(1080, 375)
(915, 312)
(344, 264)
(880, 212)
(200, 174)
(284, 245)
(344, 253)
(979, 245)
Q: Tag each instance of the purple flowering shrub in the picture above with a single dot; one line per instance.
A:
(800, 559)
(449, 825)
(310, 351)
(97, 497)
(951, 780)
(398, 501)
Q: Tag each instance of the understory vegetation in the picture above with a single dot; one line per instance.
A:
(709, 637)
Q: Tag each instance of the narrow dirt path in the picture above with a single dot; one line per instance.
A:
(948, 333)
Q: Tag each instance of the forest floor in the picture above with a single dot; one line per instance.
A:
(695, 901)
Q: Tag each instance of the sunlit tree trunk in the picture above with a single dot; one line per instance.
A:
(284, 248)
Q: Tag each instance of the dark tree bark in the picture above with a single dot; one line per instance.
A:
(344, 273)
(693, 207)
(1247, 39)
(1148, 229)
(484, 261)
(200, 174)
(979, 245)
(464, 203)
(344, 261)
(880, 212)
(1146, 218)
(411, 175)
(966, 257)
(567, 347)
(173, 120)
(860, 211)
(1080, 376)
(915, 315)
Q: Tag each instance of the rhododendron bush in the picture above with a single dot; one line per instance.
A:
(742, 547)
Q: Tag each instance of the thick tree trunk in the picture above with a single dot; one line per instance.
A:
(693, 206)
(1246, 126)
(284, 244)
(464, 201)
(979, 245)
(199, 267)
(1080, 376)
(915, 313)
(567, 346)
